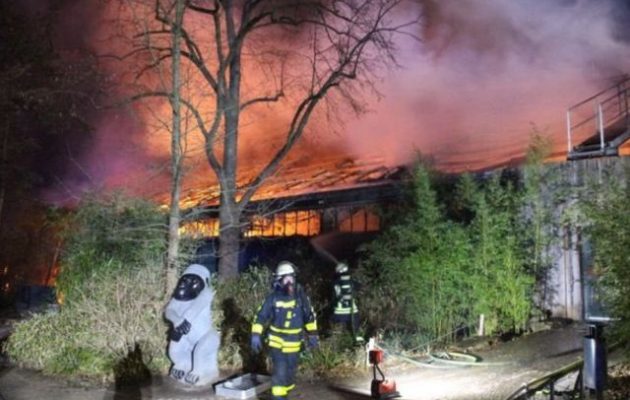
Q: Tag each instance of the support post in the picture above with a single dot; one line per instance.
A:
(569, 144)
(600, 115)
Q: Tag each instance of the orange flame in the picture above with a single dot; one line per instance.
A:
(293, 223)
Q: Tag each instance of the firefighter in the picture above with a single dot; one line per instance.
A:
(287, 312)
(346, 311)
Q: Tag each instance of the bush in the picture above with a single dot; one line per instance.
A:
(501, 285)
(112, 282)
(432, 275)
(106, 235)
(417, 270)
(608, 229)
(110, 316)
(234, 308)
(334, 358)
(111, 325)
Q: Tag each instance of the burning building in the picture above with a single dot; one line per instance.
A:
(334, 196)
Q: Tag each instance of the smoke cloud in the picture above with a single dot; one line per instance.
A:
(484, 77)
(489, 73)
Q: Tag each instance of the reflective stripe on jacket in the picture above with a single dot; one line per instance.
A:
(286, 316)
(344, 288)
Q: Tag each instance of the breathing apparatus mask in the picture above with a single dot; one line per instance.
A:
(285, 278)
(188, 287)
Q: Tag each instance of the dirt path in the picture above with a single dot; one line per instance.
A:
(509, 365)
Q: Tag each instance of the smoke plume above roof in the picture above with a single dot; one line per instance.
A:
(485, 75)
(488, 73)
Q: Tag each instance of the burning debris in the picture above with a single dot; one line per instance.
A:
(306, 200)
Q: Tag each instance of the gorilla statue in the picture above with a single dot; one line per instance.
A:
(193, 342)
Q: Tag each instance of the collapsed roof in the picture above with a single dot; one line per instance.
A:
(310, 186)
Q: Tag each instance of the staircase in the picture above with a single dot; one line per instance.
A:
(600, 124)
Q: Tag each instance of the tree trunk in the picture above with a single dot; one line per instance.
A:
(229, 227)
(229, 240)
(230, 210)
(229, 220)
(176, 155)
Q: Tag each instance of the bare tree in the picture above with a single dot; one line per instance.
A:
(176, 153)
(169, 81)
(309, 50)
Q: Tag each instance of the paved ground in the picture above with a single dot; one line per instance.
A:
(507, 366)
(504, 368)
(17, 384)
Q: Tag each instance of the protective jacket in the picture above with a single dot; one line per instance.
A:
(344, 295)
(286, 316)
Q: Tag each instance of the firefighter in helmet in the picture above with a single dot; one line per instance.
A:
(287, 312)
(346, 311)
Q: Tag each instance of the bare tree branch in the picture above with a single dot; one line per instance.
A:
(344, 41)
(263, 99)
(191, 108)
(202, 10)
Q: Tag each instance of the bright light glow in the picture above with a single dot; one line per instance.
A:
(292, 223)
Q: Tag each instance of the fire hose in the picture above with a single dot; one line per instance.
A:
(444, 359)
(447, 360)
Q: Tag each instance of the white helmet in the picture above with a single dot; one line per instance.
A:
(341, 268)
(285, 268)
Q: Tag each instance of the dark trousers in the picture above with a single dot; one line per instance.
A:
(349, 320)
(283, 373)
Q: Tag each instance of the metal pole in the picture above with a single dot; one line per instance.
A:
(569, 147)
(620, 96)
(601, 125)
(625, 104)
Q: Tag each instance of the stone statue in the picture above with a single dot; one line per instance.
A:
(193, 341)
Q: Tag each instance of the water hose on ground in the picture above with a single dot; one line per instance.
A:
(439, 361)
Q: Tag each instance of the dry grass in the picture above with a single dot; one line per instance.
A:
(114, 314)
(618, 382)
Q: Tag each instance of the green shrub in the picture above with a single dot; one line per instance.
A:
(417, 269)
(110, 326)
(112, 282)
(334, 358)
(607, 210)
(110, 234)
(109, 317)
(234, 308)
(432, 272)
(501, 287)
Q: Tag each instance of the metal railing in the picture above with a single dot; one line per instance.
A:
(597, 113)
(546, 385)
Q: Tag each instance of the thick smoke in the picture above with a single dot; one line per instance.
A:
(490, 72)
(484, 77)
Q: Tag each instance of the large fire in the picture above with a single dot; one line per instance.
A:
(484, 78)
(326, 175)
(294, 223)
